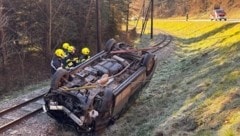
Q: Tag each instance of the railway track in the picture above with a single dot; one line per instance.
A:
(19, 112)
(166, 40)
(153, 48)
(12, 116)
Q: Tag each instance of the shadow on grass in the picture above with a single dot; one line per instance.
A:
(168, 95)
(201, 62)
(229, 36)
(215, 81)
(210, 33)
(222, 82)
(147, 37)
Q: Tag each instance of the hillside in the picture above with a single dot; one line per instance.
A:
(195, 8)
(195, 89)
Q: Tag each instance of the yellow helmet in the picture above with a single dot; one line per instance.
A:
(85, 51)
(60, 53)
(65, 45)
(71, 49)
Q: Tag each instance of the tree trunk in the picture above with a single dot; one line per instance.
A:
(3, 23)
(3, 49)
(50, 29)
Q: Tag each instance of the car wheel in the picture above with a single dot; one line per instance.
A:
(105, 109)
(107, 102)
(59, 79)
(110, 44)
(149, 62)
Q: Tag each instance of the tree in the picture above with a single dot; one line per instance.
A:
(3, 37)
(34, 28)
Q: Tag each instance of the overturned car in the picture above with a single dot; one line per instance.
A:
(97, 91)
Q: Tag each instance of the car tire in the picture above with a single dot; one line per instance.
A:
(59, 79)
(149, 62)
(110, 44)
(105, 110)
(107, 102)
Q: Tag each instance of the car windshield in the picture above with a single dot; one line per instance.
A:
(220, 11)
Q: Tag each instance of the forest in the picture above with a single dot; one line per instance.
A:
(176, 8)
(30, 31)
(195, 88)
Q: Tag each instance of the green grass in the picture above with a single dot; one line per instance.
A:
(25, 90)
(200, 81)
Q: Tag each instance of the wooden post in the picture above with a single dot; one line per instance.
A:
(49, 46)
(98, 26)
(151, 21)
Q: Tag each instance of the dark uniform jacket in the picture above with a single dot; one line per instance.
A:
(56, 63)
(71, 61)
(83, 58)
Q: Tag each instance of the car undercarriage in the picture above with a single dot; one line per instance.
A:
(94, 93)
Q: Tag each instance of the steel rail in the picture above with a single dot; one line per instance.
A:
(16, 107)
(167, 39)
(151, 48)
(16, 121)
(20, 105)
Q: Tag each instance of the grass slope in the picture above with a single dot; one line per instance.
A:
(195, 90)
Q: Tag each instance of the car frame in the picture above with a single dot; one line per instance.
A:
(96, 92)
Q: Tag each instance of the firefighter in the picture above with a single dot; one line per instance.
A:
(65, 47)
(57, 60)
(85, 54)
(72, 59)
